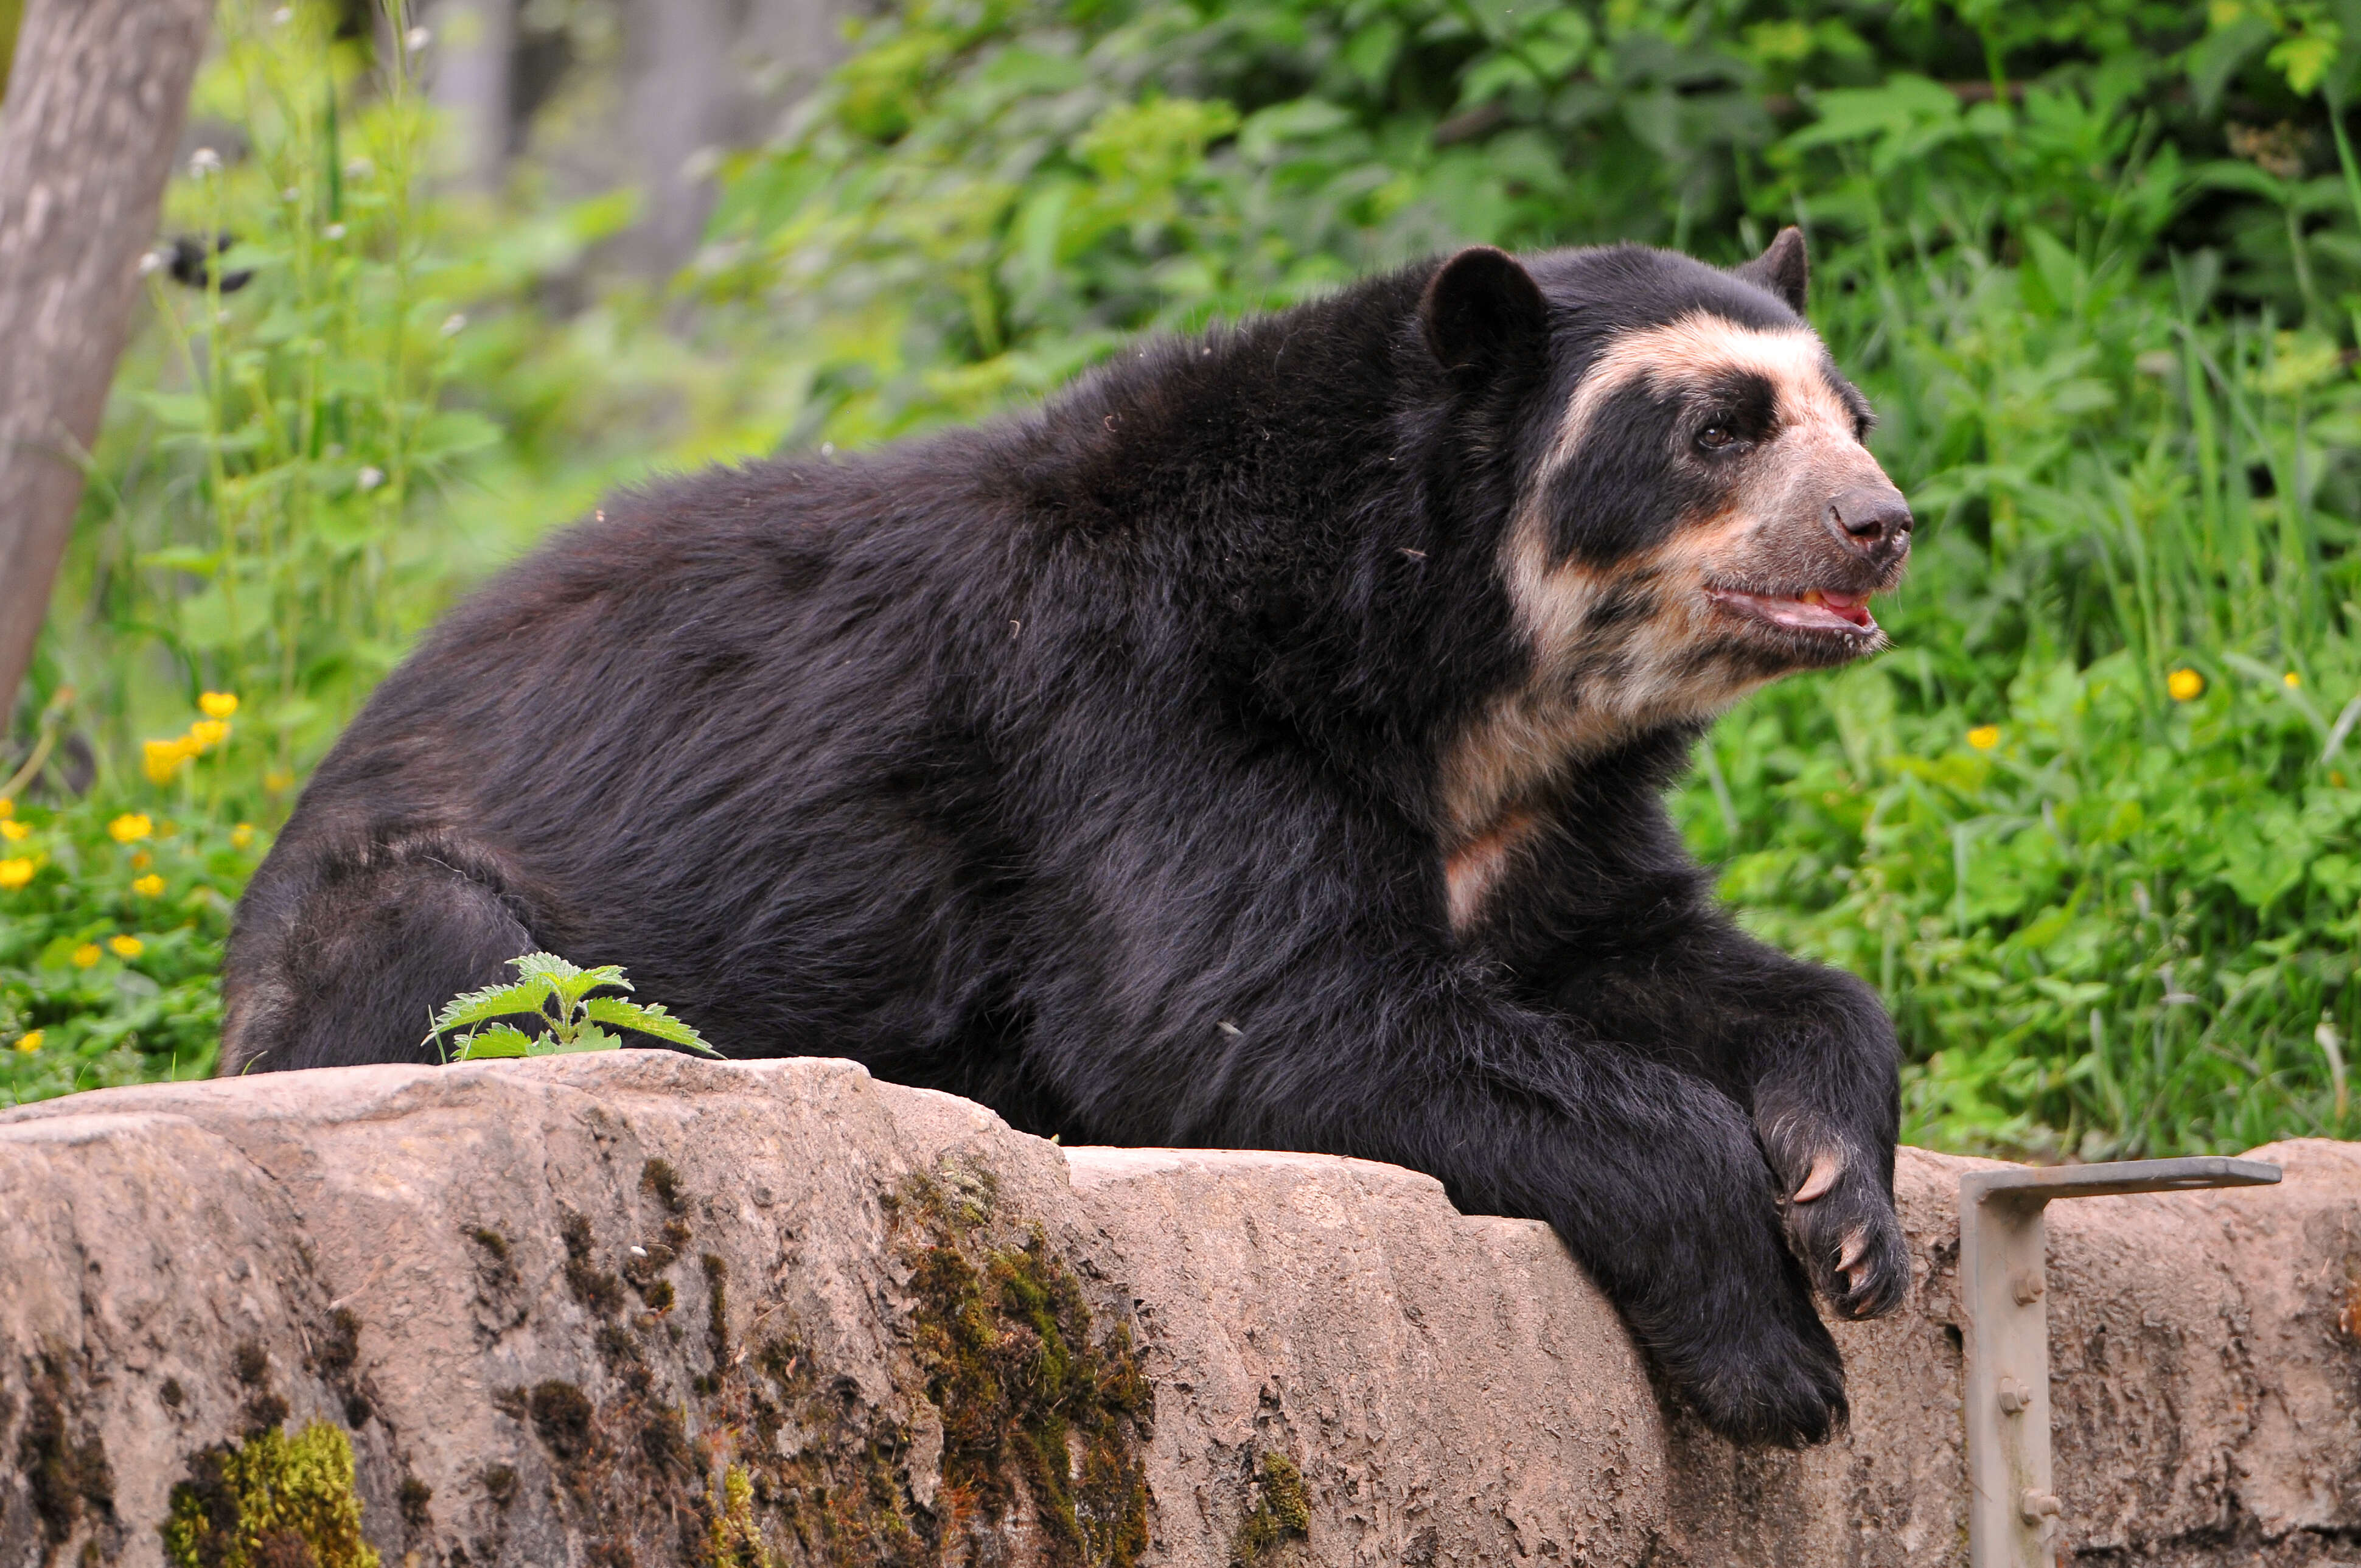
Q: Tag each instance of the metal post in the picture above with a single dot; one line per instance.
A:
(2011, 1507)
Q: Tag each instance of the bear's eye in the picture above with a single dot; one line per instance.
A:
(1715, 436)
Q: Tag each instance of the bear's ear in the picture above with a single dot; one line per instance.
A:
(1480, 310)
(1784, 269)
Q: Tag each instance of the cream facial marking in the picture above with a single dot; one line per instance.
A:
(1630, 646)
(1792, 359)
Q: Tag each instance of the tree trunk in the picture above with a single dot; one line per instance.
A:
(96, 99)
(474, 45)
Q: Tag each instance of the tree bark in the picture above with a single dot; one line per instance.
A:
(474, 45)
(96, 99)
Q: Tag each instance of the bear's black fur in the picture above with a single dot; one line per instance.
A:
(1261, 746)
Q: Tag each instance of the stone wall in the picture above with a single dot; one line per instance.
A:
(639, 1308)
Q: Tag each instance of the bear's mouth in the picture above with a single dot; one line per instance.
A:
(1828, 610)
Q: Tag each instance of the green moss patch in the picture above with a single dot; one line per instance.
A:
(1036, 1408)
(271, 1501)
(1281, 1513)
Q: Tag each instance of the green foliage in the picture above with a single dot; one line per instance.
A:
(2099, 263)
(270, 1499)
(557, 996)
(12, 13)
(111, 930)
(266, 543)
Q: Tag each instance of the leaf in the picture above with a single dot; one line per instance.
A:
(587, 1039)
(648, 1019)
(547, 965)
(493, 1001)
(2216, 58)
(570, 983)
(177, 410)
(494, 1044)
(182, 558)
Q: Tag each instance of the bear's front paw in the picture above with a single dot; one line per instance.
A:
(1839, 1218)
(1768, 1373)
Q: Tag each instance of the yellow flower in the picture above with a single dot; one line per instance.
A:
(130, 827)
(1985, 737)
(242, 835)
(163, 758)
(276, 780)
(126, 946)
(29, 1041)
(207, 733)
(2292, 680)
(2185, 685)
(87, 955)
(14, 831)
(217, 705)
(16, 873)
(7, 806)
(149, 886)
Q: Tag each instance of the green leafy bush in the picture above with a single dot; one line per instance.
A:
(112, 922)
(2100, 266)
(2092, 828)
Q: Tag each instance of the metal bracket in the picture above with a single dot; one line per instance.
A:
(2011, 1507)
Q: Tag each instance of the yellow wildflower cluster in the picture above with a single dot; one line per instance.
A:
(2185, 685)
(1985, 737)
(149, 886)
(166, 758)
(13, 832)
(29, 1041)
(15, 871)
(131, 827)
(122, 947)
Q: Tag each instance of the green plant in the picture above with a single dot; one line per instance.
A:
(112, 922)
(270, 1499)
(2097, 262)
(557, 996)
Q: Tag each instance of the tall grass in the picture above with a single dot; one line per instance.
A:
(251, 556)
(2090, 828)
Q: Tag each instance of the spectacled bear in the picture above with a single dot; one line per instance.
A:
(1261, 745)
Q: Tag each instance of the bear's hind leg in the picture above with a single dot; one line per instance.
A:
(355, 967)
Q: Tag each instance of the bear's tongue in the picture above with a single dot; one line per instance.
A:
(1851, 607)
(1822, 609)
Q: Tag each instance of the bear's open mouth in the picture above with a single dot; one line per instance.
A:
(1815, 609)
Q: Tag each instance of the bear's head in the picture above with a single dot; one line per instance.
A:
(1697, 511)
(1694, 511)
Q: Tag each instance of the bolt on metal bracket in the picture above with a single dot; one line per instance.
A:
(2004, 1323)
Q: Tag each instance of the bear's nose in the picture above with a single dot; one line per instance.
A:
(1874, 517)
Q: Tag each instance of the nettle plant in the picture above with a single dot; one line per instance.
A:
(557, 995)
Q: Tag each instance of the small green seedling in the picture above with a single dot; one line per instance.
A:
(559, 994)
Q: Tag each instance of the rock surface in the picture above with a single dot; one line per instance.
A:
(641, 1308)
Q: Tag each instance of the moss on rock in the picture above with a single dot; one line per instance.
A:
(1282, 1512)
(270, 1501)
(1035, 1408)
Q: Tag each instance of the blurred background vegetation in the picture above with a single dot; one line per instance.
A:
(2091, 830)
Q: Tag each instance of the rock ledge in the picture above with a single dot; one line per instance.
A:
(641, 1309)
